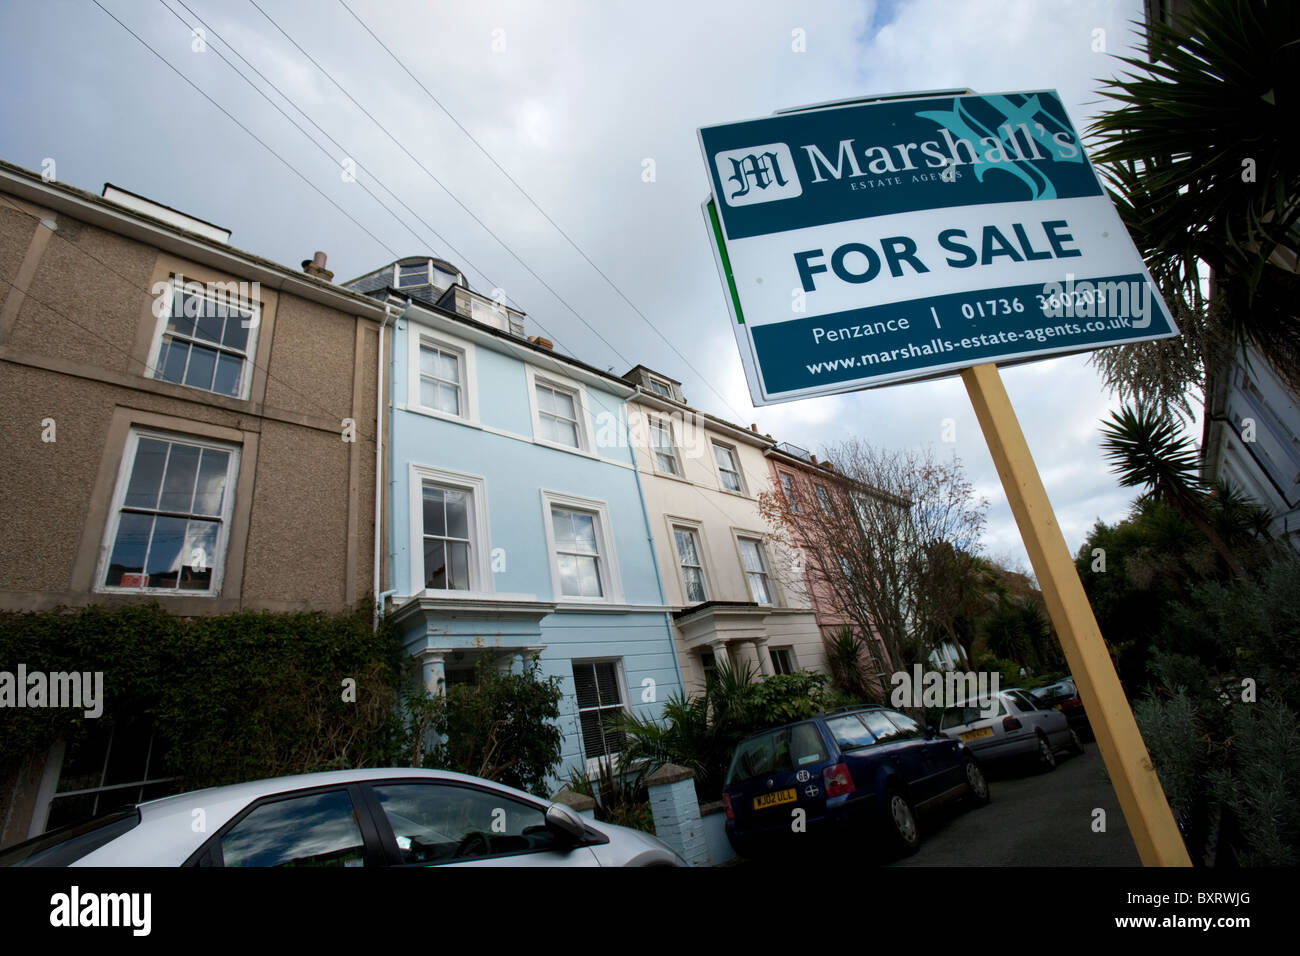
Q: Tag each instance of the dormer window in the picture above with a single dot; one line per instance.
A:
(416, 273)
(661, 388)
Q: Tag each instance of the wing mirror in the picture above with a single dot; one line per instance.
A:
(565, 821)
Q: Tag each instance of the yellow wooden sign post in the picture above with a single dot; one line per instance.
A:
(1140, 796)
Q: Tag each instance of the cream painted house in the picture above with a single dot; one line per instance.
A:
(737, 594)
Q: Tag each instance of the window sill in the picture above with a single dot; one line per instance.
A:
(435, 413)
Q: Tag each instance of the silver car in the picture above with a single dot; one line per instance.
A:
(1020, 725)
(391, 817)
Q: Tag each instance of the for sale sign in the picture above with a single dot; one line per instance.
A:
(906, 238)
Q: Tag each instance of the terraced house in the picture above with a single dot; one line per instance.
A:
(737, 594)
(183, 422)
(515, 524)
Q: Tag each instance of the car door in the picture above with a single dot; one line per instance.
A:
(445, 823)
(936, 765)
(903, 749)
(1047, 719)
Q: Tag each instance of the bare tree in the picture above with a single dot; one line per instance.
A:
(869, 541)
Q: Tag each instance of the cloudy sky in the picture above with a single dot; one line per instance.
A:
(570, 100)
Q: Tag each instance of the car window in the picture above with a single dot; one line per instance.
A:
(66, 845)
(781, 749)
(907, 727)
(318, 829)
(850, 732)
(440, 823)
(1027, 702)
(969, 713)
(880, 725)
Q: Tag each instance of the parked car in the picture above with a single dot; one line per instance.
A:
(1019, 726)
(394, 817)
(860, 772)
(1064, 696)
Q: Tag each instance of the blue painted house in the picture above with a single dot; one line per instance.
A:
(516, 525)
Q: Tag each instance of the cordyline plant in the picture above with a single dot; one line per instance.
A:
(867, 534)
(1200, 157)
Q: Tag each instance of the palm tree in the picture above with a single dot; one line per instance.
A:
(1200, 154)
(1148, 450)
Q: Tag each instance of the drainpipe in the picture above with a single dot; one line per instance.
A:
(654, 555)
(394, 313)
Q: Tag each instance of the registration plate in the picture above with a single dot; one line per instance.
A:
(977, 734)
(774, 799)
(1059, 706)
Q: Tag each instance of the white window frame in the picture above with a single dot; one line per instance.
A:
(480, 564)
(823, 498)
(611, 579)
(652, 421)
(740, 471)
(593, 764)
(124, 469)
(418, 335)
(765, 559)
(581, 408)
(668, 387)
(397, 274)
(152, 369)
(675, 524)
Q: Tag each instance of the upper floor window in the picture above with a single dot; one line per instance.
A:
(755, 564)
(688, 555)
(583, 564)
(440, 379)
(450, 551)
(791, 496)
(824, 498)
(441, 374)
(206, 339)
(665, 451)
(170, 517)
(416, 273)
(728, 467)
(661, 388)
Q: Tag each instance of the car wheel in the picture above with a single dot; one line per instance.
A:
(905, 834)
(1076, 744)
(1046, 757)
(975, 782)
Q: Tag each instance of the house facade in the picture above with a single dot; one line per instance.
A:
(819, 497)
(184, 423)
(737, 593)
(515, 525)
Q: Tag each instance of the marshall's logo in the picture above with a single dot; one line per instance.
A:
(757, 174)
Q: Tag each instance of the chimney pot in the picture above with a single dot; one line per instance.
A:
(315, 266)
(813, 459)
(753, 428)
(318, 260)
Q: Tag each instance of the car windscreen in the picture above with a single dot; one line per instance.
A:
(66, 845)
(784, 748)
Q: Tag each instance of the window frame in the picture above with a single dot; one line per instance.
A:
(788, 651)
(418, 336)
(764, 559)
(739, 469)
(581, 407)
(607, 558)
(790, 489)
(113, 522)
(480, 564)
(397, 274)
(668, 389)
(176, 282)
(695, 529)
(656, 422)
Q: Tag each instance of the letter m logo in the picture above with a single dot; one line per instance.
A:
(757, 174)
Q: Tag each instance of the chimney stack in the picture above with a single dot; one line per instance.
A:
(315, 266)
(813, 459)
(544, 343)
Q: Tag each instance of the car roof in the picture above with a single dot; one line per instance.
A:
(247, 792)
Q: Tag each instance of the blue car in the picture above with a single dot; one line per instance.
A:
(864, 772)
